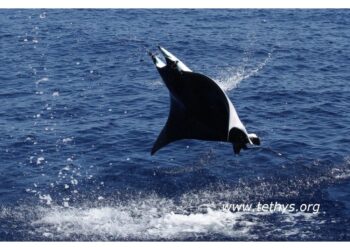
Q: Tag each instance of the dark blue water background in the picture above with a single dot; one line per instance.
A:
(82, 104)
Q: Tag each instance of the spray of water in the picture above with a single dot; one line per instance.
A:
(231, 77)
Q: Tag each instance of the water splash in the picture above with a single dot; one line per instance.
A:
(156, 218)
(138, 221)
(195, 215)
(230, 78)
(44, 79)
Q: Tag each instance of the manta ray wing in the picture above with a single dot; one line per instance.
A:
(198, 110)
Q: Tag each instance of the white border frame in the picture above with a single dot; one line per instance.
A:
(174, 4)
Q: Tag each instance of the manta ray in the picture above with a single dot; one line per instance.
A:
(199, 108)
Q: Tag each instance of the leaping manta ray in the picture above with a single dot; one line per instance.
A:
(199, 108)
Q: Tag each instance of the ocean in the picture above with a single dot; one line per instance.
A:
(82, 104)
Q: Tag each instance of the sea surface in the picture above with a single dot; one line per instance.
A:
(81, 105)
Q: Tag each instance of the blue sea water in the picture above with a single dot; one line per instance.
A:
(82, 104)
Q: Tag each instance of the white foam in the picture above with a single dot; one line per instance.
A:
(47, 234)
(156, 83)
(40, 160)
(156, 218)
(147, 223)
(341, 174)
(46, 197)
(74, 182)
(44, 79)
(68, 139)
(173, 225)
(42, 15)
